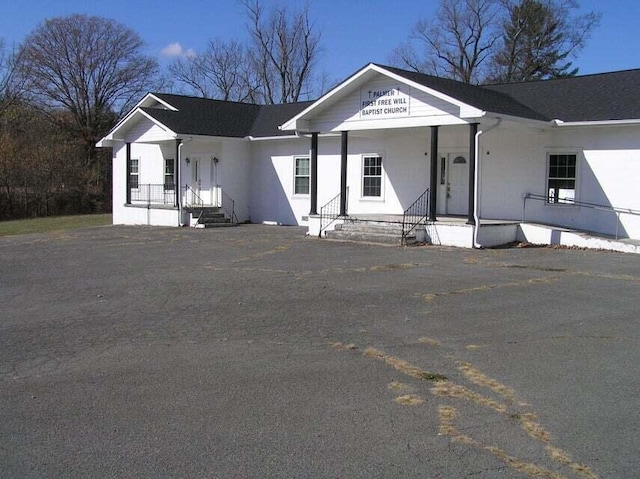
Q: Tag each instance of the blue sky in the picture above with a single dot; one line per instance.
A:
(354, 32)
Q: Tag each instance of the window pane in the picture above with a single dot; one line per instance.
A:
(372, 176)
(302, 175)
(302, 166)
(133, 173)
(561, 179)
(302, 185)
(372, 186)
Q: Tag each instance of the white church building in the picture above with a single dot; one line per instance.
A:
(554, 161)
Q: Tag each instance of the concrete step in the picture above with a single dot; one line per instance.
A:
(212, 216)
(386, 228)
(368, 236)
(219, 225)
(216, 220)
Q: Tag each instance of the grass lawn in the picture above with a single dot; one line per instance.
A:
(52, 223)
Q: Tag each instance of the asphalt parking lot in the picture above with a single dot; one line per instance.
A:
(257, 352)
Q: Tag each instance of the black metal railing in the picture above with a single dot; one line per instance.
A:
(153, 194)
(330, 212)
(219, 199)
(228, 205)
(583, 204)
(415, 215)
(191, 198)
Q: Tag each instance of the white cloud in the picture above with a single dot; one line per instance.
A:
(175, 50)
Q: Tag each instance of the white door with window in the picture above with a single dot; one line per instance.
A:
(458, 184)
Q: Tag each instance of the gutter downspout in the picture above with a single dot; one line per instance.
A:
(179, 176)
(476, 182)
(178, 183)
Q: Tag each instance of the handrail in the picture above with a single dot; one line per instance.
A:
(228, 205)
(585, 204)
(414, 215)
(330, 212)
(196, 201)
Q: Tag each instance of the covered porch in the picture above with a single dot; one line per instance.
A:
(413, 178)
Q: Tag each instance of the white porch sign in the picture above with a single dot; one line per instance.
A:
(384, 102)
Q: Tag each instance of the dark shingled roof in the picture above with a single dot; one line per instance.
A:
(482, 98)
(202, 116)
(272, 116)
(603, 96)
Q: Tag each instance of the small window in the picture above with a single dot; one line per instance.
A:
(169, 184)
(372, 176)
(459, 160)
(302, 175)
(561, 179)
(133, 173)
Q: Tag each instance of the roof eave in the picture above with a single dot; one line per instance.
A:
(565, 124)
(111, 136)
(131, 113)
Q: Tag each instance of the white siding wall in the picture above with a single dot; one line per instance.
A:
(405, 175)
(119, 193)
(608, 172)
(145, 131)
(234, 171)
(422, 109)
(271, 181)
(512, 163)
(150, 163)
(405, 172)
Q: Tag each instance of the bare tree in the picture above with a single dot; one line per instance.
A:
(222, 71)
(11, 84)
(283, 51)
(42, 170)
(539, 37)
(476, 41)
(456, 43)
(85, 71)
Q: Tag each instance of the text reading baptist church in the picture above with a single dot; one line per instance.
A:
(383, 103)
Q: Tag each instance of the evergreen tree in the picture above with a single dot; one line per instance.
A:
(539, 37)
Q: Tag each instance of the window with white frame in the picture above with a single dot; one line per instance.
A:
(561, 178)
(301, 176)
(372, 176)
(134, 171)
(168, 174)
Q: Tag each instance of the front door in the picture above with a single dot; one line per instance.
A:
(458, 184)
